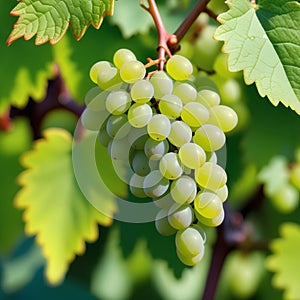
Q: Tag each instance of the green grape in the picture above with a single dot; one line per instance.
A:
(162, 224)
(136, 185)
(183, 190)
(156, 149)
(189, 242)
(142, 91)
(211, 222)
(139, 115)
(221, 66)
(222, 193)
(170, 105)
(122, 56)
(180, 133)
(230, 91)
(179, 67)
(208, 204)
(223, 117)
(119, 149)
(132, 71)
(192, 155)
(170, 166)
(209, 137)
(180, 217)
(140, 163)
(109, 79)
(208, 98)
(162, 84)
(116, 126)
(286, 199)
(95, 99)
(185, 91)
(91, 120)
(100, 66)
(103, 136)
(154, 164)
(159, 127)
(295, 175)
(210, 176)
(190, 260)
(118, 102)
(194, 114)
(155, 185)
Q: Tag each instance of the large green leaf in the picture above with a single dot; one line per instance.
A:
(49, 19)
(55, 210)
(264, 42)
(285, 260)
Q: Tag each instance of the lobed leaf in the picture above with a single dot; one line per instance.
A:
(49, 19)
(55, 210)
(264, 42)
(285, 260)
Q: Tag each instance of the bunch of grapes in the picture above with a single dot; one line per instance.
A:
(167, 132)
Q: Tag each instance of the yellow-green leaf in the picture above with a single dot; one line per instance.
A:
(55, 210)
(49, 19)
(285, 260)
(264, 42)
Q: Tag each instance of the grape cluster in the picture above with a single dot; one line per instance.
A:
(168, 132)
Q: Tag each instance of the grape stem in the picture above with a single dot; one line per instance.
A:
(169, 43)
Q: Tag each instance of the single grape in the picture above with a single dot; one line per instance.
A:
(140, 163)
(162, 84)
(162, 224)
(183, 190)
(223, 117)
(100, 66)
(156, 149)
(179, 67)
(118, 102)
(180, 217)
(211, 222)
(194, 114)
(170, 166)
(189, 242)
(170, 105)
(159, 127)
(109, 79)
(192, 155)
(185, 91)
(155, 185)
(132, 71)
(210, 176)
(180, 133)
(139, 115)
(295, 175)
(122, 56)
(208, 204)
(115, 124)
(208, 98)
(136, 185)
(92, 120)
(190, 260)
(210, 137)
(142, 91)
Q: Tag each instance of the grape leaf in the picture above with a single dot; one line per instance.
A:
(264, 42)
(285, 260)
(49, 20)
(55, 210)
